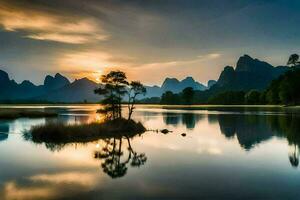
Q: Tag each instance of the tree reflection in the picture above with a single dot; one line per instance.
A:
(294, 156)
(188, 119)
(112, 156)
(171, 119)
(288, 126)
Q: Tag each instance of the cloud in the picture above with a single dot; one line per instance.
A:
(211, 56)
(183, 62)
(91, 63)
(49, 26)
(49, 186)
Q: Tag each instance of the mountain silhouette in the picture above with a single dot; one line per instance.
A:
(249, 74)
(56, 82)
(175, 86)
(78, 91)
(3, 77)
(210, 83)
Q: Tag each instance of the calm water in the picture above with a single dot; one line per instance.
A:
(225, 155)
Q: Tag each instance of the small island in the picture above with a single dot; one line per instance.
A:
(115, 88)
(59, 133)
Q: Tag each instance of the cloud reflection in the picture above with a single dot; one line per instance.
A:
(49, 186)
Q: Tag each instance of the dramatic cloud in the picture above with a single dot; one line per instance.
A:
(45, 26)
(149, 39)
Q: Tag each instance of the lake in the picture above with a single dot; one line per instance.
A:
(226, 154)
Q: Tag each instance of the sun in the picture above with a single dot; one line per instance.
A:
(97, 76)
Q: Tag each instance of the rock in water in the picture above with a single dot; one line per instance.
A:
(165, 131)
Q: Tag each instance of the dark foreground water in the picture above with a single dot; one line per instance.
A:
(225, 155)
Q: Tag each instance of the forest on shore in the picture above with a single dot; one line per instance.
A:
(282, 91)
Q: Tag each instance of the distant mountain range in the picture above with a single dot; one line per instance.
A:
(174, 85)
(249, 74)
(59, 89)
(54, 89)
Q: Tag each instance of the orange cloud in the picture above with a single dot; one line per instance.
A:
(45, 26)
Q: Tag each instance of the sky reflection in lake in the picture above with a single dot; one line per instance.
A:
(223, 156)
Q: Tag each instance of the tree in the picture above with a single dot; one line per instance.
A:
(135, 88)
(170, 98)
(293, 60)
(252, 97)
(188, 95)
(285, 89)
(228, 98)
(113, 90)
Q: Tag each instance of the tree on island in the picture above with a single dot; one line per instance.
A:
(115, 88)
(135, 88)
(113, 91)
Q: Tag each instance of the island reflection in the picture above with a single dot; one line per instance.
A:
(85, 170)
(117, 154)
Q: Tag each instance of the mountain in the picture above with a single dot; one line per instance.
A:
(152, 91)
(176, 86)
(59, 89)
(79, 91)
(210, 83)
(249, 74)
(3, 77)
(11, 90)
(56, 82)
(173, 85)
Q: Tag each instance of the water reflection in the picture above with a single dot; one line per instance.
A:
(188, 119)
(248, 130)
(250, 150)
(111, 156)
(4, 130)
(116, 154)
(3, 137)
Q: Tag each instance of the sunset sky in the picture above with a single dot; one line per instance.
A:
(148, 39)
